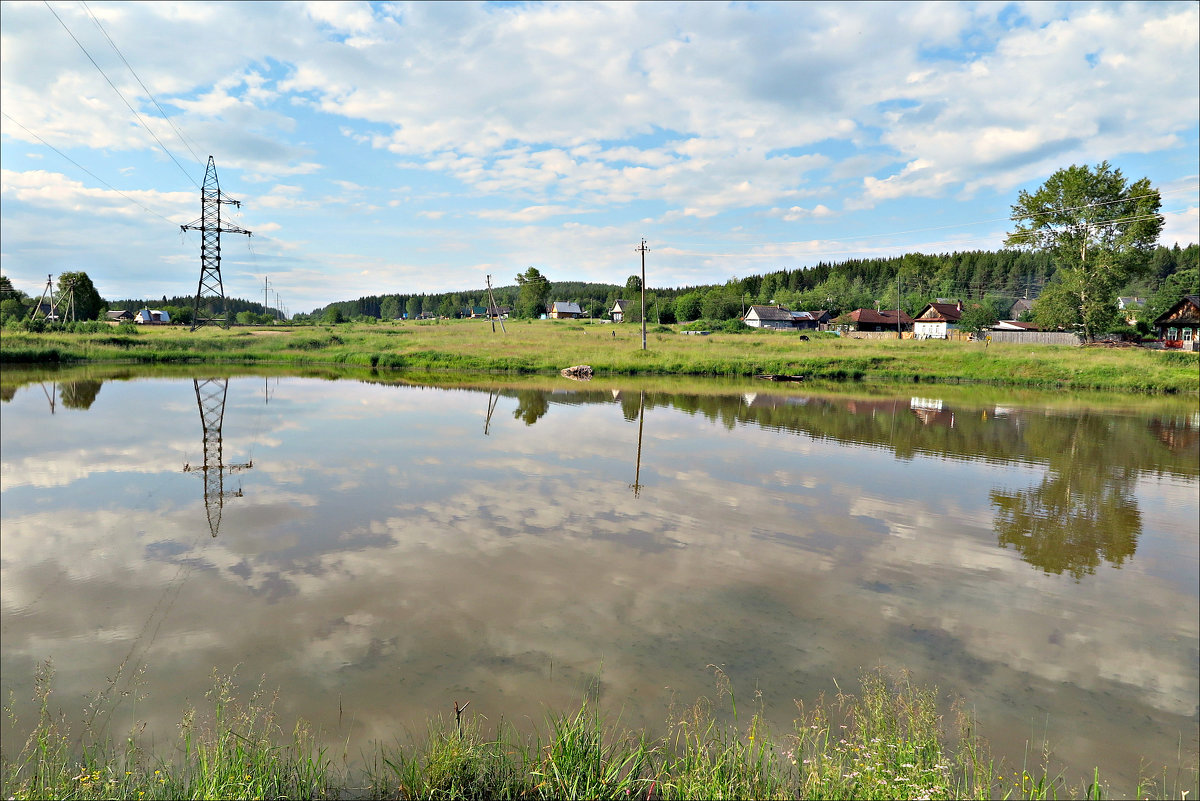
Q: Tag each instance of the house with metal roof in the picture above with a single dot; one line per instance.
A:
(775, 317)
(619, 309)
(565, 310)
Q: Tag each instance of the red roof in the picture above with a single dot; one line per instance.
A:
(872, 317)
(941, 313)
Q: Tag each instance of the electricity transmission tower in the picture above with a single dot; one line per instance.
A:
(47, 292)
(210, 397)
(211, 291)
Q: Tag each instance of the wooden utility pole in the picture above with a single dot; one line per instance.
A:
(494, 309)
(643, 250)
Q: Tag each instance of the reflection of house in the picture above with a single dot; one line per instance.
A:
(619, 309)
(118, 315)
(936, 320)
(931, 412)
(872, 320)
(1179, 326)
(564, 310)
(152, 317)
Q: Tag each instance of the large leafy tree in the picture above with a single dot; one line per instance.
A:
(533, 292)
(1100, 230)
(77, 287)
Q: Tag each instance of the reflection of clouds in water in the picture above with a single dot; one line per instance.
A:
(465, 567)
(71, 465)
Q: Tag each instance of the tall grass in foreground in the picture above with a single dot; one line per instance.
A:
(888, 742)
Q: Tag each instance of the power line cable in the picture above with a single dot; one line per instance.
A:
(85, 169)
(118, 91)
(149, 94)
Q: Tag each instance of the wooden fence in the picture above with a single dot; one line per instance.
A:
(1032, 337)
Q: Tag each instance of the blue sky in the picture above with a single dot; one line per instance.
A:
(418, 147)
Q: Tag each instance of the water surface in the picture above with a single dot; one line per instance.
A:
(379, 551)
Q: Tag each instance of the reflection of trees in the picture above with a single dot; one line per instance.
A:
(532, 405)
(1084, 510)
(79, 394)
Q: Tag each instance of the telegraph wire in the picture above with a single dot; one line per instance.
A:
(149, 94)
(85, 169)
(118, 91)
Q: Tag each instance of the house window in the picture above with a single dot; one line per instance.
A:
(1172, 334)
(1187, 335)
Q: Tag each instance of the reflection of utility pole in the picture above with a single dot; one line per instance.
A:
(493, 399)
(636, 486)
(210, 397)
(51, 394)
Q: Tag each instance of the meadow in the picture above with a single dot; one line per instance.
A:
(545, 346)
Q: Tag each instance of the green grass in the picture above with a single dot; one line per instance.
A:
(888, 742)
(530, 347)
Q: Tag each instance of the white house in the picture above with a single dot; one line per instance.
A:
(775, 317)
(152, 317)
(618, 310)
(936, 320)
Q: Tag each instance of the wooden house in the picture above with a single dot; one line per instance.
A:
(872, 320)
(619, 309)
(937, 319)
(775, 317)
(565, 310)
(1179, 326)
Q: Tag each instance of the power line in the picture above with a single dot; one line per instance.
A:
(149, 94)
(118, 91)
(85, 169)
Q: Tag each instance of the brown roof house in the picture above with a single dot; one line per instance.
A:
(871, 320)
(1179, 326)
(936, 320)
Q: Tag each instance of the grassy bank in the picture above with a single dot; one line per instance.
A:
(548, 346)
(890, 740)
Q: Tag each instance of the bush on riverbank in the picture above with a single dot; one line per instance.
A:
(887, 742)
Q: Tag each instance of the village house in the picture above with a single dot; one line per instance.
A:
(937, 319)
(565, 310)
(811, 320)
(1021, 306)
(775, 317)
(118, 315)
(618, 311)
(867, 320)
(152, 317)
(1179, 326)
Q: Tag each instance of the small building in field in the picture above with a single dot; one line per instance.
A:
(619, 310)
(937, 319)
(1179, 326)
(775, 317)
(118, 315)
(152, 317)
(565, 310)
(872, 320)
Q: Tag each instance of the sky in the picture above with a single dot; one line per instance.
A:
(421, 147)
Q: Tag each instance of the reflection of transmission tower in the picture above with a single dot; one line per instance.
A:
(210, 397)
(210, 229)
